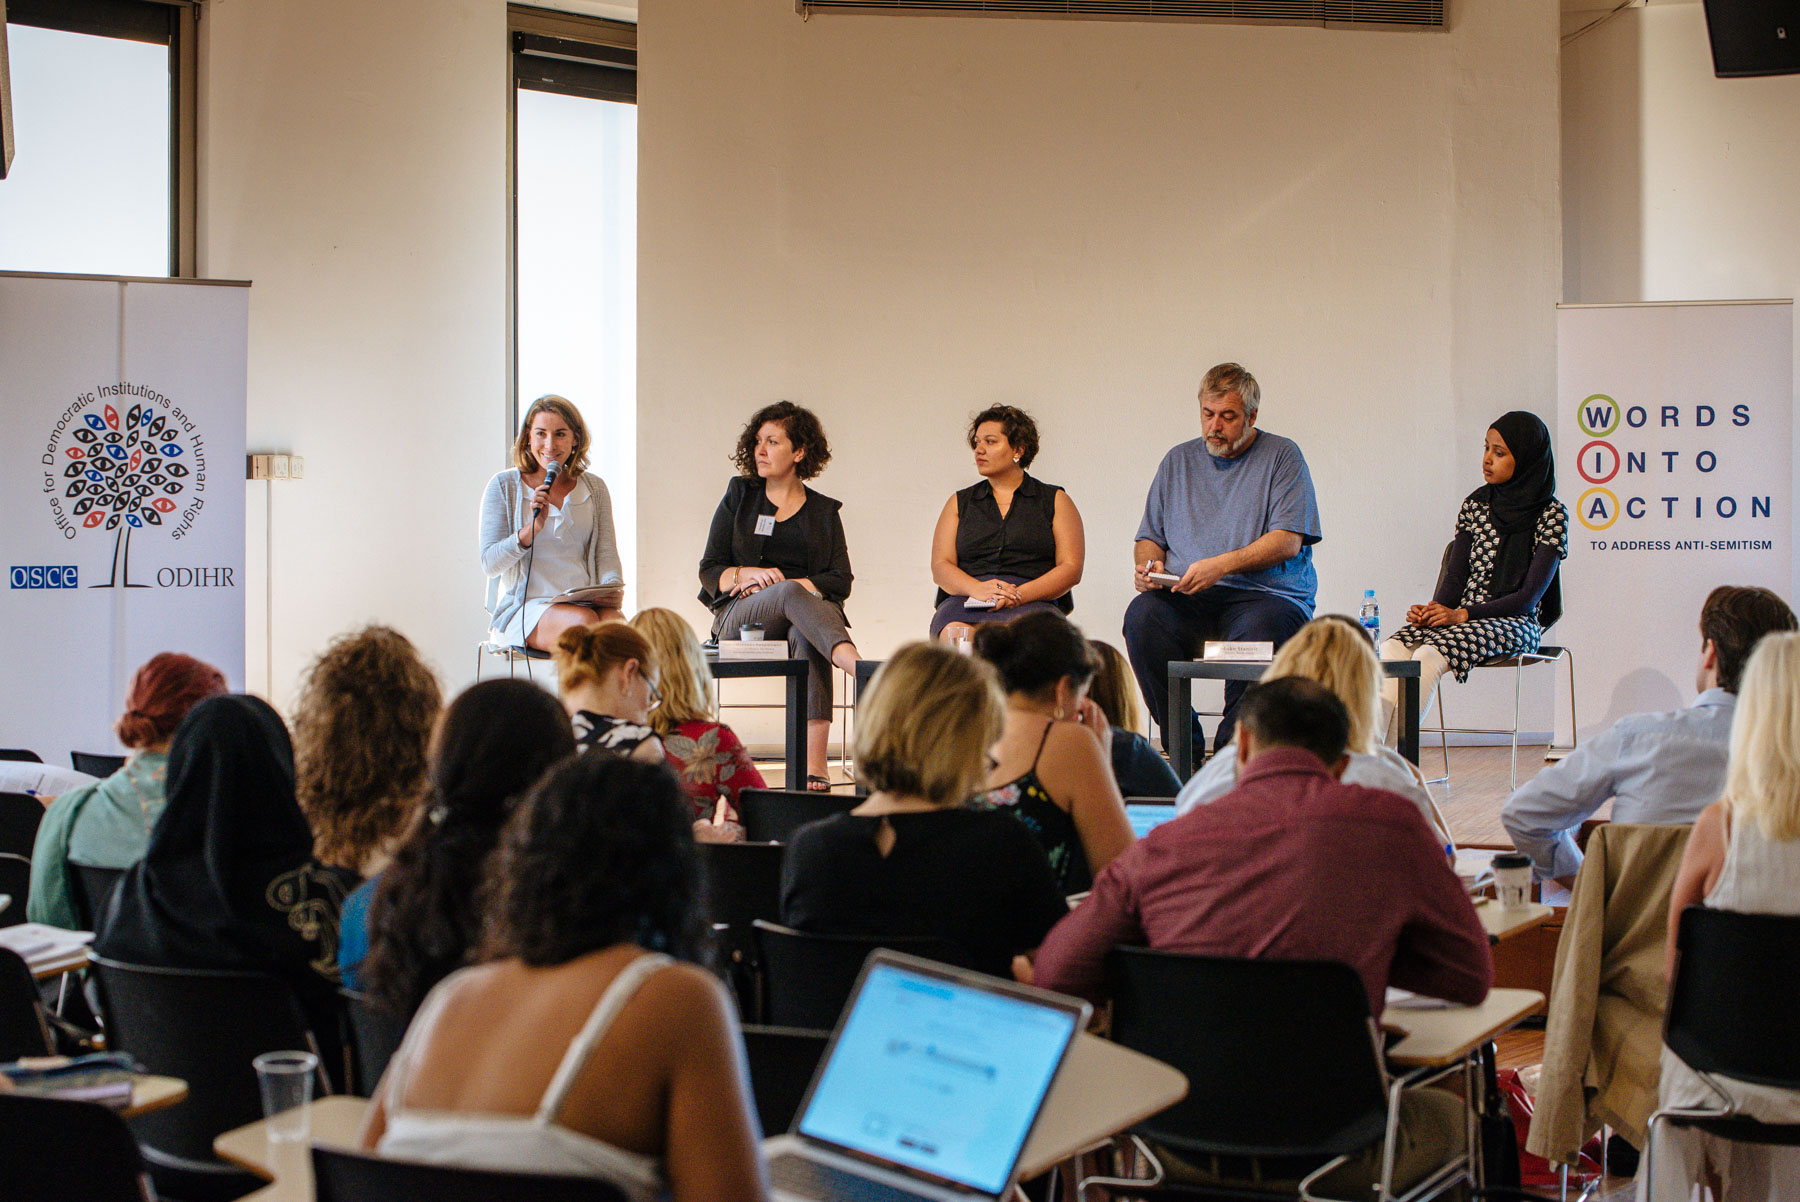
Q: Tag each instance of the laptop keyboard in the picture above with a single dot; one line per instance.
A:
(810, 1179)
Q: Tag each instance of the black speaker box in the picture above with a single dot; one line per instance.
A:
(1754, 37)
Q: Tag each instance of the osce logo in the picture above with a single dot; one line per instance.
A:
(44, 577)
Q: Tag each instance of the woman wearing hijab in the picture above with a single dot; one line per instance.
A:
(1500, 589)
(228, 879)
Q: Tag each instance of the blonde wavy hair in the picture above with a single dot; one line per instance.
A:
(1113, 688)
(926, 725)
(686, 684)
(362, 729)
(1762, 778)
(1334, 651)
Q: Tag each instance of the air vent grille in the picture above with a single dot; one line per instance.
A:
(1344, 12)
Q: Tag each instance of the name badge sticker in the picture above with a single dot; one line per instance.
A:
(765, 524)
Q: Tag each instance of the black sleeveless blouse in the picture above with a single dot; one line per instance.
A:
(1018, 547)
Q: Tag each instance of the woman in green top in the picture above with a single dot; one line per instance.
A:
(108, 823)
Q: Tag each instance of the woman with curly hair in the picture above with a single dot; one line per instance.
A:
(417, 922)
(1009, 543)
(587, 1042)
(776, 558)
(361, 728)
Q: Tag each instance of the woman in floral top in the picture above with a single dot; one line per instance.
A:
(108, 823)
(708, 757)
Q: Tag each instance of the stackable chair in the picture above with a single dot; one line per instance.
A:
(1283, 1063)
(782, 1061)
(96, 764)
(340, 1175)
(741, 882)
(1731, 1015)
(55, 1151)
(773, 815)
(375, 1036)
(807, 978)
(20, 755)
(512, 653)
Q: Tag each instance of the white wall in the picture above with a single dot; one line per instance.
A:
(1678, 185)
(353, 167)
(899, 220)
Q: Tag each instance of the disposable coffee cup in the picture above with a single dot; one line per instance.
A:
(752, 633)
(1512, 879)
(286, 1081)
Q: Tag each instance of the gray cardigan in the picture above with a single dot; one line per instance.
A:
(503, 512)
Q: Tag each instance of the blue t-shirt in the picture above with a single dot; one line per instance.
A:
(1200, 506)
(353, 932)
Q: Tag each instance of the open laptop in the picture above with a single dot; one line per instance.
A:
(928, 1089)
(1146, 816)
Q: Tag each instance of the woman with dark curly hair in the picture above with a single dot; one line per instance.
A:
(584, 1044)
(1009, 543)
(361, 729)
(775, 558)
(412, 926)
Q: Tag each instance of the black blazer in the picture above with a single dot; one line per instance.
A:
(733, 540)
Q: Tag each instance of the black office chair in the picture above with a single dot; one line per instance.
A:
(204, 1026)
(95, 764)
(375, 1036)
(20, 814)
(23, 1031)
(55, 1151)
(742, 883)
(340, 1175)
(1283, 1064)
(782, 1063)
(807, 977)
(15, 883)
(91, 888)
(20, 755)
(773, 815)
(1731, 1015)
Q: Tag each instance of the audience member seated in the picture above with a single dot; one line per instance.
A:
(1658, 769)
(229, 879)
(1293, 864)
(1335, 652)
(1009, 542)
(776, 558)
(914, 859)
(361, 729)
(1052, 767)
(1500, 589)
(108, 823)
(1744, 855)
(585, 1043)
(607, 674)
(712, 763)
(410, 927)
(1138, 768)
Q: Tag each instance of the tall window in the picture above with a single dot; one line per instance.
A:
(575, 239)
(98, 107)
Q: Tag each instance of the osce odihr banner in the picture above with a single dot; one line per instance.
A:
(121, 494)
(1675, 457)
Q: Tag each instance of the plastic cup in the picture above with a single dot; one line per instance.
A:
(286, 1081)
(963, 643)
(1512, 880)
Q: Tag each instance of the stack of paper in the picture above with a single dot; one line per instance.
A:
(757, 649)
(105, 1078)
(39, 945)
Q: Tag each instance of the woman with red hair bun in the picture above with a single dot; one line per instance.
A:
(108, 823)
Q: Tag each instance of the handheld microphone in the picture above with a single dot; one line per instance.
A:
(550, 470)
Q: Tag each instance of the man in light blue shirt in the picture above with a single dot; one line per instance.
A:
(1660, 769)
(1233, 515)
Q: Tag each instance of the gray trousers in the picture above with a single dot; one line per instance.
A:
(811, 625)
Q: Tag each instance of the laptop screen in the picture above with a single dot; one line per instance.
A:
(1145, 818)
(938, 1074)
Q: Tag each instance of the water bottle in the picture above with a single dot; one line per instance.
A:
(1371, 617)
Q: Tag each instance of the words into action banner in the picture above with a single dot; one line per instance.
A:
(1675, 457)
(121, 494)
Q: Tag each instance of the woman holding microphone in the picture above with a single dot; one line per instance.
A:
(547, 533)
(776, 558)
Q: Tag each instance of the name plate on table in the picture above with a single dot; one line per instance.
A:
(752, 649)
(1237, 653)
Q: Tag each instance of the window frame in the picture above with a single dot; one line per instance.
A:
(172, 23)
(574, 56)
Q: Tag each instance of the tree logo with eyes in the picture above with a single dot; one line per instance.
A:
(123, 475)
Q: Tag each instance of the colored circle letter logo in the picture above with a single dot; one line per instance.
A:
(1597, 462)
(1597, 509)
(1598, 415)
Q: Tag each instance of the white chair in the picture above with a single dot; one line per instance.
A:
(1545, 654)
(511, 652)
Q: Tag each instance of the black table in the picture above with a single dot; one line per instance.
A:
(795, 671)
(1178, 726)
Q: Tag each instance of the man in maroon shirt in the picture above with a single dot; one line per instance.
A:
(1294, 865)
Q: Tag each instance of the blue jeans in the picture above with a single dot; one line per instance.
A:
(1161, 626)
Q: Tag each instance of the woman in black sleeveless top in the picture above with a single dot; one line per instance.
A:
(1008, 544)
